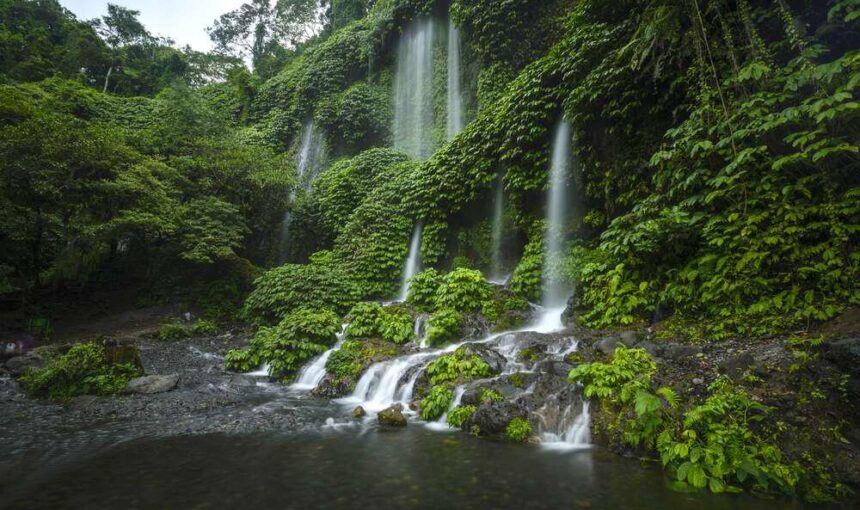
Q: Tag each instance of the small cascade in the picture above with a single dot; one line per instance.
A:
(413, 90)
(455, 93)
(572, 431)
(496, 273)
(555, 293)
(309, 161)
(378, 387)
(263, 371)
(313, 374)
(420, 330)
(413, 261)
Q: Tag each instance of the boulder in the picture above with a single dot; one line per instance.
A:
(607, 345)
(735, 366)
(677, 352)
(20, 364)
(333, 388)
(844, 353)
(150, 384)
(358, 412)
(492, 418)
(391, 417)
(496, 361)
(629, 338)
(649, 347)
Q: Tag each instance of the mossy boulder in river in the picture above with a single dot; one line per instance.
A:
(391, 417)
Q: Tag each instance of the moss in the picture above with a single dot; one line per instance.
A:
(355, 356)
(490, 395)
(204, 327)
(518, 380)
(575, 357)
(528, 354)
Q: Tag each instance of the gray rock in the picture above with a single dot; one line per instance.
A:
(844, 353)
(493, 417)
(492, 358)
(20, 364)
(242, 381)
(358, 412)
(391, 417)
(735, 366)
(698, 380)
(629, 338)
(676, 352)
(649, 347)
(150, 384)
(555, 367)
(607, 345)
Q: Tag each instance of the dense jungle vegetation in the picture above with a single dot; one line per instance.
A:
(717, 176)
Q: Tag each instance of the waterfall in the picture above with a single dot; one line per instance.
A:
(413, 261)
(496, 274)
(455, 94)
(313, 374)
(565, 430)
(413, 90)
(555, 292)
(309, 161)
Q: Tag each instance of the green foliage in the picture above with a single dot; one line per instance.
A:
(518, 430)
(457, 368)
(422, 290)
(436, 403)
(355, 356)
(83, 370)
(174, 329)
(463, 290)
(444, 326)
(204, 327)
(397, 325)
(364, 320)
(458, 416)
(301, 335)
(526, 281)
(489, 395)
(317, 285)
(714, 444)
(361, 117)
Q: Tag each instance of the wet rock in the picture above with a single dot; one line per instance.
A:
(242, 381)
(555, 367)
(391, 417)
(475, 325)
(844, 353)
(359, 412)
(20, 364)
(607, 345)
(492, 418)
(735, 366)
(698, 380)
(333, 388)
(150, 384)
(492, 358)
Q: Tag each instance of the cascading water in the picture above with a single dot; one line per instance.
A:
(496, 274)
(413, 262)
(413, 90)
(455, 93)
(309, 161)
(313, 374)
(555, 292)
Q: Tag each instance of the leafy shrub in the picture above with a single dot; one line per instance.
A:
(518, 430)
(300, 336)
(490, 395)
(204, 327)
(457, 368)
(711, 445)
(292, 286)
(422, 290)
(364, 320)
(397, 325)
(173, 330)
(526, 280)
(464, 290)
(83, 370)
(458, 416)
(444, 326)
(436, 402)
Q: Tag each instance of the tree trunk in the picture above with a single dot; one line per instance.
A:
(107, 79)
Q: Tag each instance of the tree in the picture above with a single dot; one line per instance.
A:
(260, 28)
(118, 29)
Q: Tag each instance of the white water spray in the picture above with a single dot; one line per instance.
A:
(313, 373)
(455, 93)
(498, 232)
(413, 90)
(413, 262)
(555, 293)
